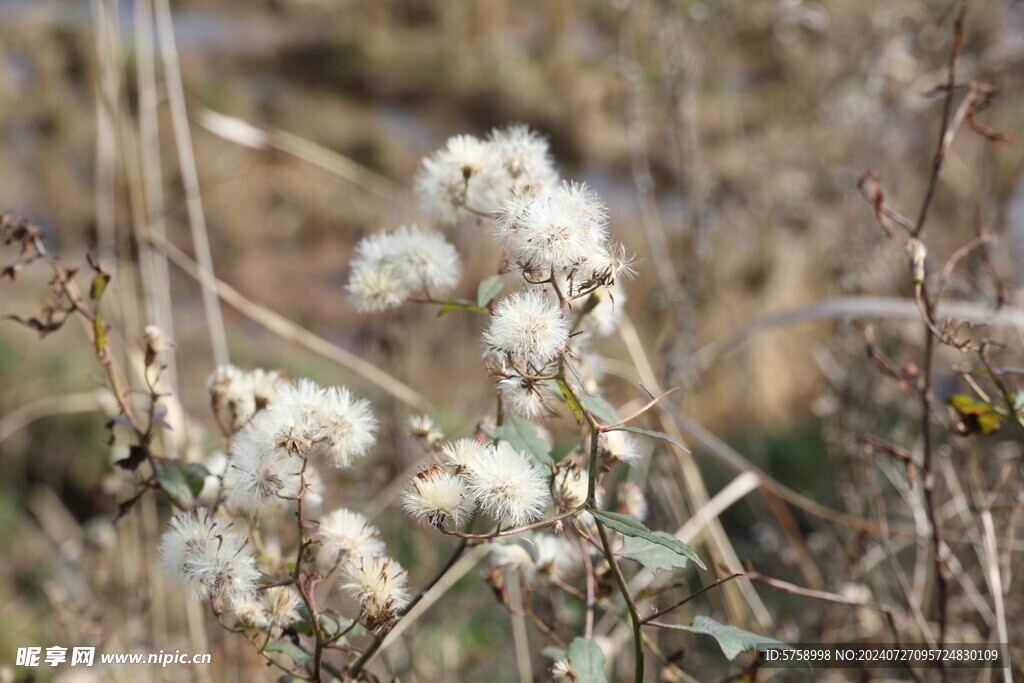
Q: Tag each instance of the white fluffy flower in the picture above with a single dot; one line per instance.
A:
(512, 555)
(208, 557)
(379, 584)
(526, 397)
(466, 173)
(632, 500)
(424, 429)
(538, 556)
(373, 289)
(236, 395)
(260, 473)
(436, 495)
(281, 606)
(619, 445)
(335, 424)
(459, 454)
(562, 672)
(556, 557)
(528, 328)
(157, 340)
(348, 532)
(507, 485)
(564, 230)
(571, 484)
(390, 266)
(525, 157)
(349, 427)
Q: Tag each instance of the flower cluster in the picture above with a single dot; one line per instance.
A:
(236, 395)
(499, 480)
(389, 267)
(474, 177)
(209, 558)
(270, 454)
(377, 582)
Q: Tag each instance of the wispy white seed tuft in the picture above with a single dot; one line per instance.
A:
(379, 584)
(507, 485)
(436, 495)
(459, 454)
(348, 533)
(462, 178)
(528, 328)
(260, 473)
(208, 557)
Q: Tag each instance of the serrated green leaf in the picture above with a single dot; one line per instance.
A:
(630, 526)
(600, 408)
(460, 305)
(732, 640)
(489, 288)
(571, 401)
(650, 432)
(654, 556)
(297, 654)
(587, 661)
(524, 436)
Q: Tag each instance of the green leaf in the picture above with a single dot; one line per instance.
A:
(524, 436)
(732, 640)
(182, 480)
(298, 655)
(654, 556)
(460, 305)
(574, 405)
(600, 408)
(649, 432)
(489, 288)
(555, 654)
(99, 283)
(988, 416)
(587, 661)
(630, 526)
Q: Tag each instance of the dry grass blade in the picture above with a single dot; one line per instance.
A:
(242, 132)
(190, 176)
(857, 307)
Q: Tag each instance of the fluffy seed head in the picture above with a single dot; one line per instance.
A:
(632, 500)
(260, 474)
(346, 532)
(507, 485)
(465, 173)
(424, 430)
(379, 584)
(157, 340)
(528, 328)
(459, 454)
(526, 397)
(512, 555)
(619, 445)
(208, 557)
(436, 495)
(525, 157)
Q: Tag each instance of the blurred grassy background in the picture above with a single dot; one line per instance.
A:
(727, 138)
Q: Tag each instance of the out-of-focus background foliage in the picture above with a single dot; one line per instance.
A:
(727, 138)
